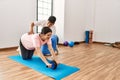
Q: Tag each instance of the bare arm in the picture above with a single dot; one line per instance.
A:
(39, 53)
(52, 51)
(31, 28)
(36, 23)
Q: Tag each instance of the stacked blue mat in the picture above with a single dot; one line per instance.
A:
(86, 36)
(37, 64)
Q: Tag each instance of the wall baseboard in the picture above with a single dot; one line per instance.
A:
(76, 42)
(101, 42)
(15, 47)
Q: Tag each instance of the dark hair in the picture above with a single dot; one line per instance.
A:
(45, 30)
(52, 19)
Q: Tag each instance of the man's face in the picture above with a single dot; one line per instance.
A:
(49, 24)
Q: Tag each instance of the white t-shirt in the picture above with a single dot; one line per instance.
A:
(43, 23)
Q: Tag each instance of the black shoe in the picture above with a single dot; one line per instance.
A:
(47, 54)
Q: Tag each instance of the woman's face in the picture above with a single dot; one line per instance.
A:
(47, 36)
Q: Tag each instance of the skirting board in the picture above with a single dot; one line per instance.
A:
(15, 47)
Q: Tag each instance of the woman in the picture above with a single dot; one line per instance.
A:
(54, 38)
(32, 42)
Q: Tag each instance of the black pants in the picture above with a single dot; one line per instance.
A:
(26, 54)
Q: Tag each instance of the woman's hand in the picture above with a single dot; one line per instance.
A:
(32, 24)
(49, 65)
(31, 29)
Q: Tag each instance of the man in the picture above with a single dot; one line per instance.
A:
(49, 23)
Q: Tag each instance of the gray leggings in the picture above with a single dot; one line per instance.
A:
(26, 54)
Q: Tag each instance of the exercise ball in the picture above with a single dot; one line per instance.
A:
(65, 43)
(71, 43)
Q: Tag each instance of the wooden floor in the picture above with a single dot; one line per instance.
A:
(96, 62)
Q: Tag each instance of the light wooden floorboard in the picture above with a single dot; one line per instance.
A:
(96, 62)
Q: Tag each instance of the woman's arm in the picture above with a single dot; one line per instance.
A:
(39, 53)
(36, 23)
(52, 51)
(31, 28)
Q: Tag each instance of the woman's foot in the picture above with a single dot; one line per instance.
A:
(18, 50)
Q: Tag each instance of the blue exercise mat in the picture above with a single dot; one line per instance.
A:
(37, 64)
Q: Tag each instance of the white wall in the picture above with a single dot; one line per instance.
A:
(59, 7)
(107, 20)
(102, 16)
(90, 14)
(15, 17)
(74, 20)
(70, 22)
